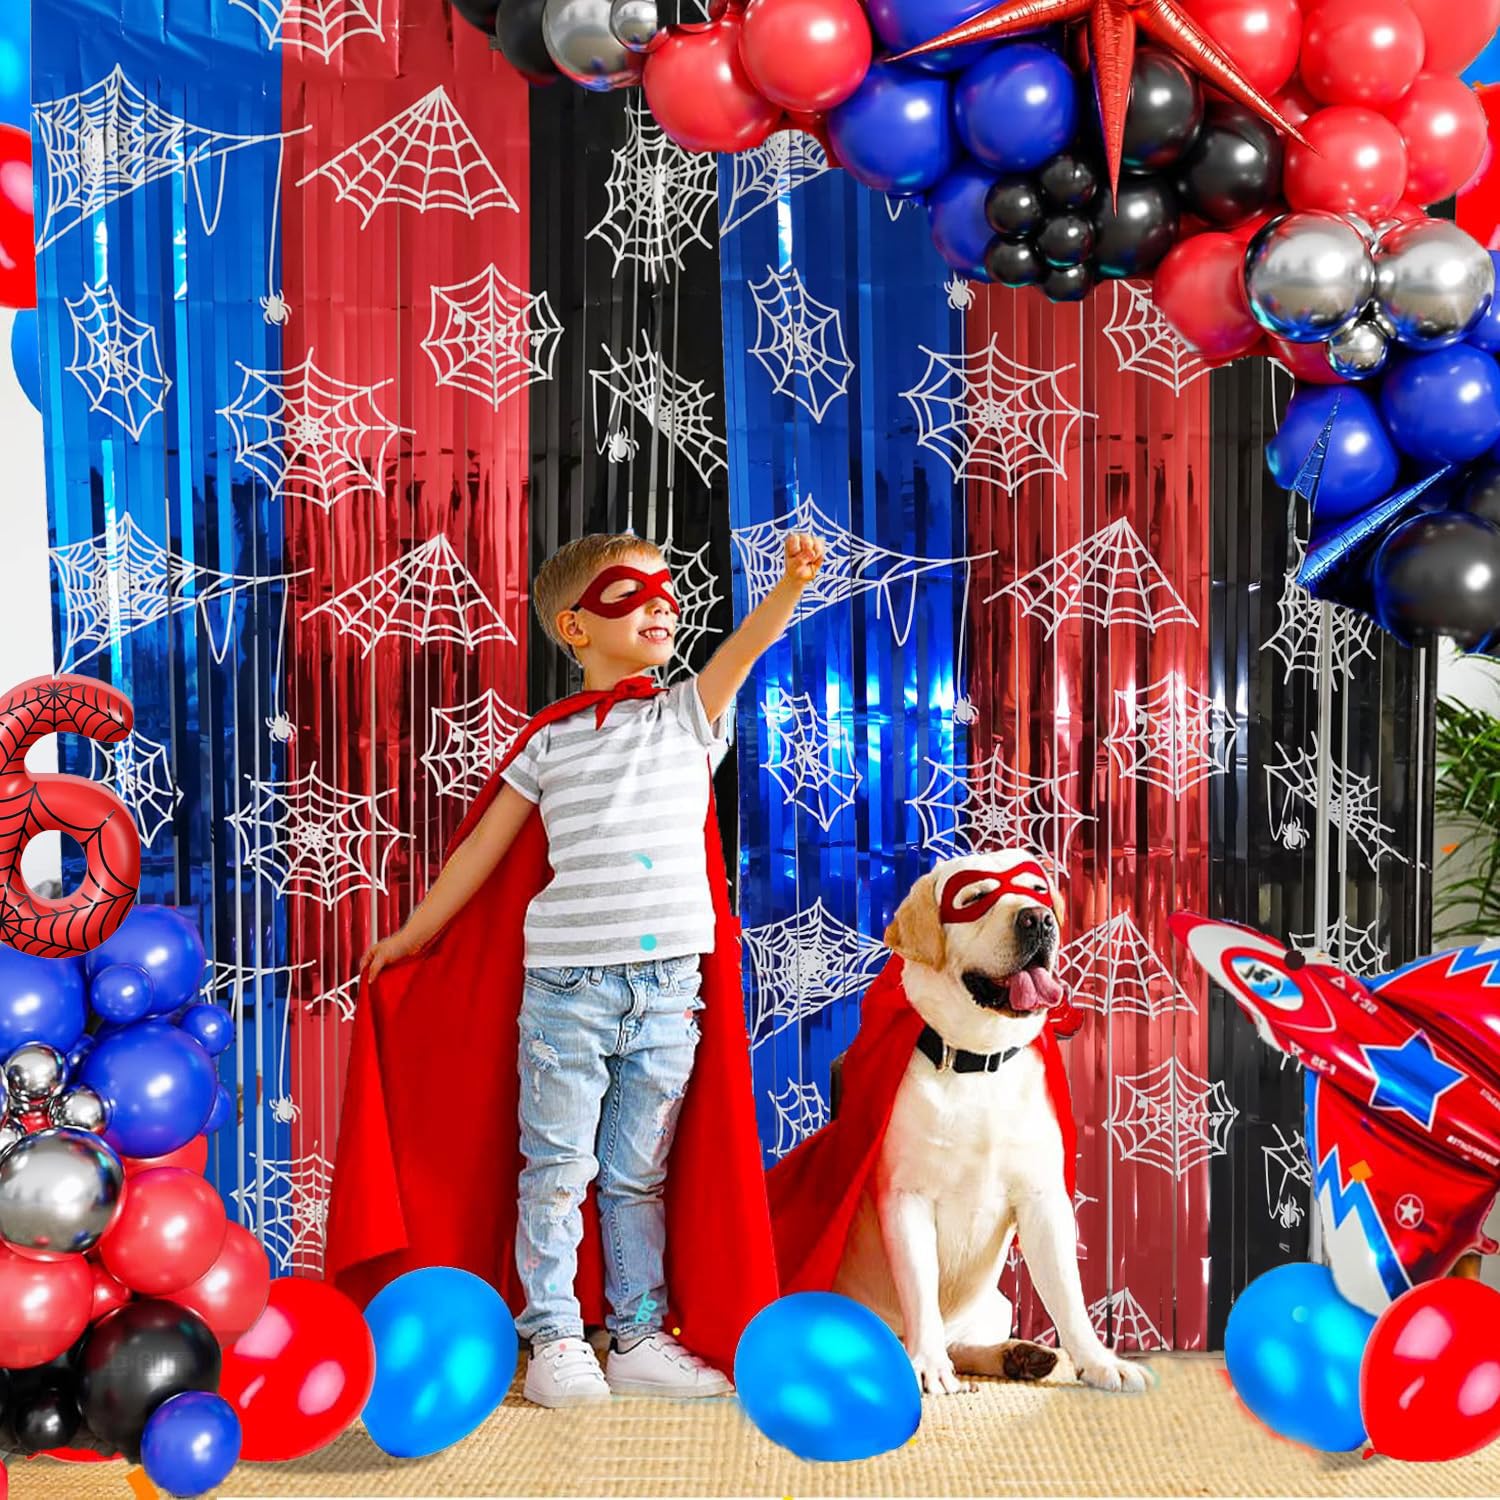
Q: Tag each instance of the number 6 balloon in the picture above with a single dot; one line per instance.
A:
(82, 809)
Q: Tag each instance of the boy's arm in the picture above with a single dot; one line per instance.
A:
(722, 678)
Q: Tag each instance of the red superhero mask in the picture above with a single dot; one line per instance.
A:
(652, 586)
(1026, 879)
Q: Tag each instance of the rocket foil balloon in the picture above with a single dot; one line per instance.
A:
(1403, 1097)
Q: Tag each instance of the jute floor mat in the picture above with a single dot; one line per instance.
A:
(1186, 1437)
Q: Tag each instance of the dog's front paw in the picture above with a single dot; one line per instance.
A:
(936, 1375)
(1106, 1373)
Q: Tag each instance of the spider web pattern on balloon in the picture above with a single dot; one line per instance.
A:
(1353, 804)
(1112, 968)
(1169, 1118)
(465, 743)
(800, 1110)
(1146, 343)
(139, 772)
(811, 757)
(767, 173)
(490, 338)
(1170, 735)
(321, 26)
(287, 1210)
(117, 361)
(799, 341)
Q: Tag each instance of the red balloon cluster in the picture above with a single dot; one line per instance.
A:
(17, 230)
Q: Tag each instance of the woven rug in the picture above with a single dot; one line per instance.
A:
(1186, 1437)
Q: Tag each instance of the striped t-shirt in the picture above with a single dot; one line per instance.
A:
(624, 807)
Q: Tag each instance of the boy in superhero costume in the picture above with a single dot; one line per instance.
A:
(575, 970)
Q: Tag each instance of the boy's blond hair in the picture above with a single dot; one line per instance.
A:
(566, 574)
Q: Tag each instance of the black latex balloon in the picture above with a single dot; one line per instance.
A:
(1440, 574)
(1233, 170)
(1481, 494)
(518, 30)
(1069, 283)
(47, 1418)
(1066, 239)
(1134, 233)
(478, 13)
(1014, 206)
(1070, 180)
(136, 1358)
(1165, 111)
(1013, 262)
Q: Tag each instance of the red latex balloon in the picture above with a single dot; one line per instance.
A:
(1457, 31)
(17, 229)
(1361, 51)
(44, 1306)
(108, 1294)
(1356, 163)
(1429, 1386)
(1442, 123)
(700, 94)
(1306, 361)
(302, 1374)
(170, 1231)
(806, 55)
(232, 1293)
(1200, 290)
(1262, 36)
(192, 1157)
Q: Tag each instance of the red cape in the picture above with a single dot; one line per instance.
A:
(816, 1189)
(429, 1152)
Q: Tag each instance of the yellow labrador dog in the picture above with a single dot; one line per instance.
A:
(973, 1154)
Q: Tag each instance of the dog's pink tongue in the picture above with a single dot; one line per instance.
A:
(1033, 988)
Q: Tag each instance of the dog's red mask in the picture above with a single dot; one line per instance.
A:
(652, 586)
(1026, 879)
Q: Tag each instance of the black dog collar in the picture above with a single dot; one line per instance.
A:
(943, 1057)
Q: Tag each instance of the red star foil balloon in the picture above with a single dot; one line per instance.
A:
(1112, 27)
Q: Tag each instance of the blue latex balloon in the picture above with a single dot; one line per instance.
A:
(26, 356)
(222, 1112)
(121, 993)
(825, 1378)
(1485, 334)
(904, 23)
(955, 213)
(166, 945)
(445, 1353)
(15, 64)
(191, 1443)
(81, 1049)
(41, 1000)
(159, 1085)
(1017, 107)
(895, 132)
(1361, 464)
(1443, 406)
(211, 1026)
(1293, 1346)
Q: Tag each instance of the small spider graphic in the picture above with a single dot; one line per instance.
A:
(1294, 835)
(1289, 1213)
(276, 310)
(283, 1111)
(621, 447)
(282, 729)
(964, 711)
(960, 293)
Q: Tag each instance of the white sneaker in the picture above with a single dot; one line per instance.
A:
(564, 1373)
(658, 1365)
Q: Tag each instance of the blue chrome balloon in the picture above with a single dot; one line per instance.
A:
(955, 213)
(895, 132)
(158, 1083)
(905, 23)
(211, 1026)
(1293, 1347)
(1443, 406)
(445, 1353)
(121, 993)
(191, 1443)
(41, 1000)
(164, 943)
(824, 1377)
(1017, 107)
(1361, 464)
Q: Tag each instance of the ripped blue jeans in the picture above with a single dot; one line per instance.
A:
(605, 1058)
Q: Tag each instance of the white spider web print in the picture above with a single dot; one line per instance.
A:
(310, 435)
(427, 595)
(812, 759)
(696, 588)
(851, 566)
(321, 26)
(287, 1210)
(343, 997)
(1354, 948)
(1145, 342)
(140, 772)
(425, 158)
(1170, 735)
(1286, 1166)
(1353, 804)
(989, 417)
(992, 805)
(1112, 968)
(644, 382)
(660, 198)
(102, 143)
(466, 742)
(1299, 621)
(490, 338)
(227, 984)
(803, 963)
(768, 172)
(800, 1110)
(1109, 578)
(1119, 1320)
(116, 360)
(310, 838)
(111, 585)
(1168, 1117)
(800, 342)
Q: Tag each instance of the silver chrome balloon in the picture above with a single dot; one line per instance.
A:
(1307, 275)
(79, 1109)
(11, 1132)
(60, 1191)
(580, 42)
(1359, 351)
(34, 1072)
(1432, 282)
(636, 25)
(1375, 315)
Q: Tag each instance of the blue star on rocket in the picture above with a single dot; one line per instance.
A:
(1410, 1078)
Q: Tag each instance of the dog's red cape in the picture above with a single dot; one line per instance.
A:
(429, 1152)
(816, 1189)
